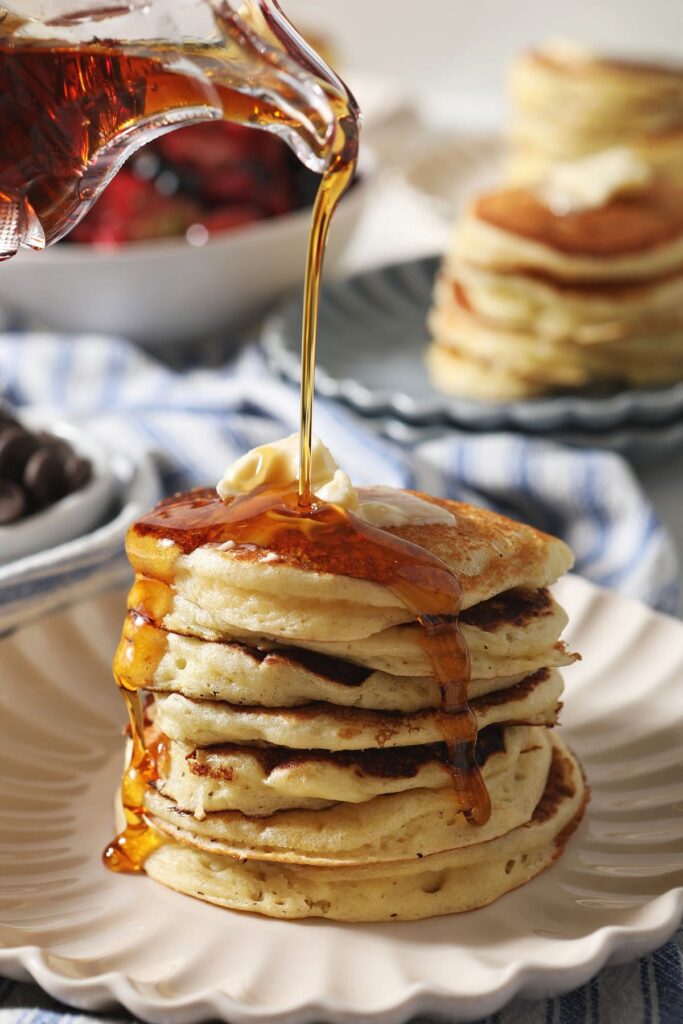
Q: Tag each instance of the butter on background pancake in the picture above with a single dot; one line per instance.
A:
(623, 227)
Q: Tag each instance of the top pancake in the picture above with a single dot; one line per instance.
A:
(488, 552)
(627, 224)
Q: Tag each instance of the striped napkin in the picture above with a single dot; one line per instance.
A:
(200, 420)
(197, 421)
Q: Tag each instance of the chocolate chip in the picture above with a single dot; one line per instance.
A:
(36, 469)
(54, 443)
(16, 447)
(7, 419)
(12, 502)
(44, 477)
(78, 472)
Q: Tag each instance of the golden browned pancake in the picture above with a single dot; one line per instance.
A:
(489, 553)
(393, 827)
(517, 632)
(533, 298)
(295, 727)
(423, 885)
(205, 723)
(260, 780)
(626, 224)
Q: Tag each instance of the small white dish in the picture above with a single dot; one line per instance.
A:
(93, 939)
(74, 515)
(88, 560)
(167, 291)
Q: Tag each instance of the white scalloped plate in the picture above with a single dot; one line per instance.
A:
(93, 939)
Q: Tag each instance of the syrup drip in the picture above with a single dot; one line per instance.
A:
(334, 183)
(129, 851)
(326, 538)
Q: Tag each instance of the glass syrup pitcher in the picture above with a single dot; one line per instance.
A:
(85, 83)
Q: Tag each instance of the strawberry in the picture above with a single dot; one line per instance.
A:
(220, 175)
(230, 217)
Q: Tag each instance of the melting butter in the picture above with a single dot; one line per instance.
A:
(277, 465)
(594, 180)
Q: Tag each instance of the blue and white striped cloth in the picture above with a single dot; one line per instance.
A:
(198, 421)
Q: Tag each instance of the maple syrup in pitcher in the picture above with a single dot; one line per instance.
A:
(85, 84)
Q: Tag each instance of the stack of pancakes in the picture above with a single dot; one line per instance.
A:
(568, 103)
(533, 299)
(301, 766)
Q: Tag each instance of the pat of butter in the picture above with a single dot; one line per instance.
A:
(594, 180)
(277, 465)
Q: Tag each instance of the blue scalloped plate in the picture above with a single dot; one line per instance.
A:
(372, 340)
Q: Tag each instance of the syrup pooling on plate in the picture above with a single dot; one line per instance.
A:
(327, 538)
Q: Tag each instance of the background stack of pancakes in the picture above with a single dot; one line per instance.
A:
(533, 299)
(301, 767)
(568, 103)
(540, 292)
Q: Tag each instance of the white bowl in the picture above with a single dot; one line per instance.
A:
(166, 290)
(76, 549)
(74, 515)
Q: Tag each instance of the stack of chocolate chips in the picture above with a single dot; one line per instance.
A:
(36, 470)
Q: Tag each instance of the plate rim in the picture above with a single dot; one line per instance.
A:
(618, 944)
(608, 944)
